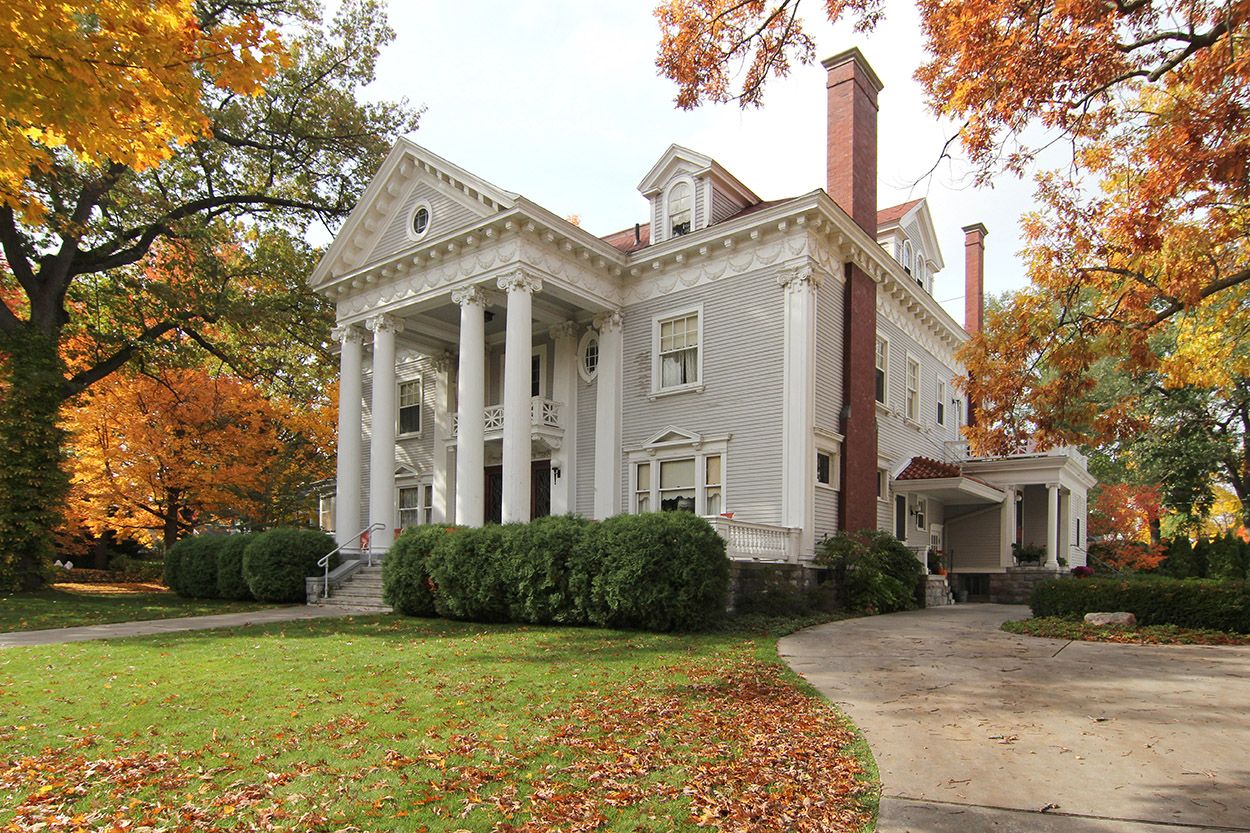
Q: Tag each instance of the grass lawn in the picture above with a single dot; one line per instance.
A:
(1055, 627)
(390, 723)
(70, 605)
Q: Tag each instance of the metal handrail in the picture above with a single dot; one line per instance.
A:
(324, 561)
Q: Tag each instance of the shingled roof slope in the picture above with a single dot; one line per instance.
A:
(926, 468)
(895, 212)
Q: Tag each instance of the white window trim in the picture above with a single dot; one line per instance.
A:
(656, 375)
(835, 469)
(907, 254)
(408, 480)
(700, 450)
(399, 383)
(666, 229)
(915, 420)
(412, 215)
(587, 337)
(939, 413)
(921, 514)
(884, 402)
(883, 481)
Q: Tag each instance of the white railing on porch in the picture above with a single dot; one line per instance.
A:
(544, 413)
(757, 542)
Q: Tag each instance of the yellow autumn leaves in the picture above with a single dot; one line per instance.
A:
(113, 82)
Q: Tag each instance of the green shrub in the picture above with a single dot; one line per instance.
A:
(275, 563)
(230, 581)
(1154, 600)
(1179, 562)
(661, 571)
(194, 573)
(171, 567)
(874, 571)
(470, 576)
(1230, 558)
(539, 562)
(406, 583)
(1029, 553)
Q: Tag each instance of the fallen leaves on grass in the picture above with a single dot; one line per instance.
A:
(1054, 627)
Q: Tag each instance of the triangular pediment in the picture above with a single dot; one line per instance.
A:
(673, 436)
(917, 222)
(409, 178)
(676, 160)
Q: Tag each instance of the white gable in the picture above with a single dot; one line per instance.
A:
(715, 195)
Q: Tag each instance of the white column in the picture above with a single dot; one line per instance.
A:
(382, 440)
(471, 393)
(1007, 527)
(441, 508)
(608, 417)
(517, 425)
(798, 420)
(1065, 526)
(1052, 525)
(351, 405)
(564, 391)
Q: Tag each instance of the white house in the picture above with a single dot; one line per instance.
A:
(779, 367)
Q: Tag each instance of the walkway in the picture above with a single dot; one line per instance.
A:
(188, 623)
(978, 730)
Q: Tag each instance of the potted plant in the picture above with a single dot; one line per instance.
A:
(1028, 553)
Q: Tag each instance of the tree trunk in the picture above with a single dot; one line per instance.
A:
(173, 509)
(33, 483)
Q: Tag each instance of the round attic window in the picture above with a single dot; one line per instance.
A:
(588, 352)
(421, 220)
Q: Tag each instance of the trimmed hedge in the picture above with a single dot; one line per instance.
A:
(1223, 606)
(873, 571)
(406, 583)
(230, 581)
(660, 571)
(191, 566)
(275, 563)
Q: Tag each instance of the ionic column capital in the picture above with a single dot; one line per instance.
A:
(468, 295)
(348, 333)
(609, 321)
(385, 324)
(796, 278)
(443, 362)
(520, 280)
(565, 329)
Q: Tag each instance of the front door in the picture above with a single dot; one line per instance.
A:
(540, 491)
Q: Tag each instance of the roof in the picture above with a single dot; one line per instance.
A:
(894, 213)
(926, 468)
(624, 239)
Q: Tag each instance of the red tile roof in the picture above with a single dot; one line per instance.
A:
(895, 212)
(926, 468)
(624, 239)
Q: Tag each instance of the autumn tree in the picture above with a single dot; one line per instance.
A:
(155, 457)
(1124, 518)
(245, 148)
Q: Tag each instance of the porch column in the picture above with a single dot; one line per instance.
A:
(351, 400)
(517, 425)
(1007, 527)
(798, 404)
(440, 509)
(608, 417)
(471, 398)
(1065, 524)
(564, 391)
(1052, 525)
(382, 440)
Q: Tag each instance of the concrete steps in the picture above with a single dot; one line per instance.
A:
(362, 590)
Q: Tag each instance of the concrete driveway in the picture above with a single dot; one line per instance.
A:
(975, 729)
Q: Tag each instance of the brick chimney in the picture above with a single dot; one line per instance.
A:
(851, 140)
(974, 277)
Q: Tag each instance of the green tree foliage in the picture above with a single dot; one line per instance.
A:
(874, 571)
(225, 219)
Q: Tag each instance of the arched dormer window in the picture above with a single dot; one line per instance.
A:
(907, 256)
(918, 267)
(680, 209)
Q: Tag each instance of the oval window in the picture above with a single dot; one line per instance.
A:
(589, 356)
(420, 221)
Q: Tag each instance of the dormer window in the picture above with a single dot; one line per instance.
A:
(907, 256)
(679, 209)
(917, 271)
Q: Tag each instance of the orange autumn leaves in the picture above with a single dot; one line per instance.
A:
(114, 82)
(154, 457)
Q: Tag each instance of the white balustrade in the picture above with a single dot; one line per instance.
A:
(757, 542)
(544, 413)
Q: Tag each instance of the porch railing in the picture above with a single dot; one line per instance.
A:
(544, 413)
(324, 561)
(757, 542)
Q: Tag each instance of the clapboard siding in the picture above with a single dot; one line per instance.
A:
(723, 205)
(900, 439)
(742, 371)
(446, 214)
(1077, 556)
(417, 453)
(830, 329)
(826, 514)
(584, 449)
(973, 539)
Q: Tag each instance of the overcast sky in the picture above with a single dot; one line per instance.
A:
(559, 100)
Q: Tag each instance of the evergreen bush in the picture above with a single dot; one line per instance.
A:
(406, 583)
(275, 563)
(230, 581)
(661, 571)
(1230, 558)
(1154, 600)
(539, 559)
(191, 566)
(470, 574)
(874, 571)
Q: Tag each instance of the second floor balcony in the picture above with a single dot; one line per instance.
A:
(546, 419)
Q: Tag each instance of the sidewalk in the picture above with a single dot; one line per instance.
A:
(118, 630)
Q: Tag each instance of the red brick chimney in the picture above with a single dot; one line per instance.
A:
(974, 277)
(851, 142)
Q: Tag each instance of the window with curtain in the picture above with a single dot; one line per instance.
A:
(642, 491)
(679, 209)
(677, 485)
(679, 351)
(712, 485)
(415, 505)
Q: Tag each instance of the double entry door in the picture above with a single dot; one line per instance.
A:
(540, 491)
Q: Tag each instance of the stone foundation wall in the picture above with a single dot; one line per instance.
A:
(761, 587)
(937, 592)
(1017, 583)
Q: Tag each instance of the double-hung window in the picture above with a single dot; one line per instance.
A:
(913, 389)
(415, 505)
(883, 363)
(682, 484)
(941, 402)
(679, 209)
(410, 407)
(678, 351)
